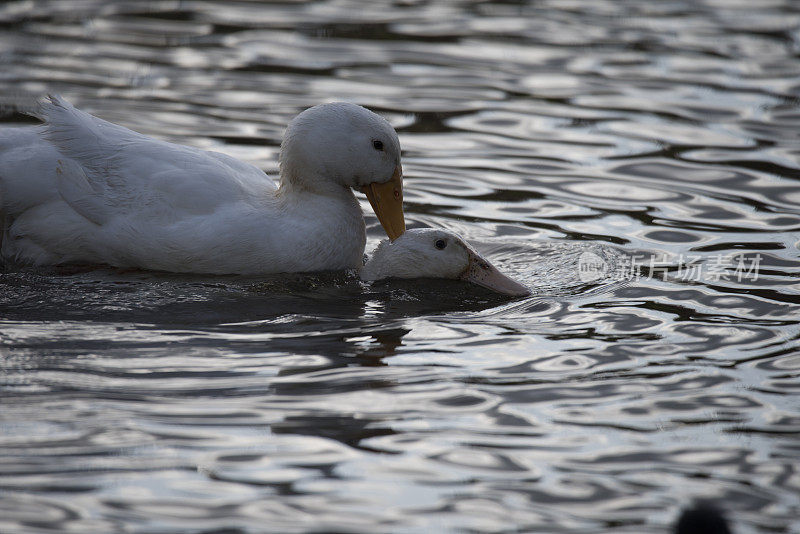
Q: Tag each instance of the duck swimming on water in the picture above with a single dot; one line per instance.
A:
(434, 253)
(78, 189)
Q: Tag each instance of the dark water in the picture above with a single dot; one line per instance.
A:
(636, 163)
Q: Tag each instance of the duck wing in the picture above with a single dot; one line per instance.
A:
(108, 170)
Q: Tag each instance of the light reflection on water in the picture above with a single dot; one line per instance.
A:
(658, 133)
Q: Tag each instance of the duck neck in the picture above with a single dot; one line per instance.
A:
(292, 182)
(334, 223)
(337, 195)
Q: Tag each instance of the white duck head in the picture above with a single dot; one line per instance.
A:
(342, 145)
(433, 253)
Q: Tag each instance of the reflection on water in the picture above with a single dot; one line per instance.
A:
(620, 159)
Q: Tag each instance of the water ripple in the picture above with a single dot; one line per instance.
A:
(630, 162)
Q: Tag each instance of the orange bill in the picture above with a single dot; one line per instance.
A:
(386, 200)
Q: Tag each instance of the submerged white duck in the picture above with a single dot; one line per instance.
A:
(78, 189)
(434, 253)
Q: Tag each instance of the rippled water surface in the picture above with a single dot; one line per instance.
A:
(635, 163)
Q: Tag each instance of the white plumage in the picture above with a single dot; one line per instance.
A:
(80, 189)
(435, 253)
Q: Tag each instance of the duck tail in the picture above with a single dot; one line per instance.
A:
(42, 107)
(21, 102)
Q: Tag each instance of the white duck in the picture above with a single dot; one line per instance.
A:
(80, 189)
(433, 253)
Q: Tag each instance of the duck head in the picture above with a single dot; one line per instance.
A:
(344, 145)
(433, 253)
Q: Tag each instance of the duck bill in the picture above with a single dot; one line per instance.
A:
(386, 200)
(485, 274)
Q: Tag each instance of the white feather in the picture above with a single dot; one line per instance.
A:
(415, 255)
(435, 253)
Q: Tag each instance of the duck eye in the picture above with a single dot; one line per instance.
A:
(377, 144)
(440, 244)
